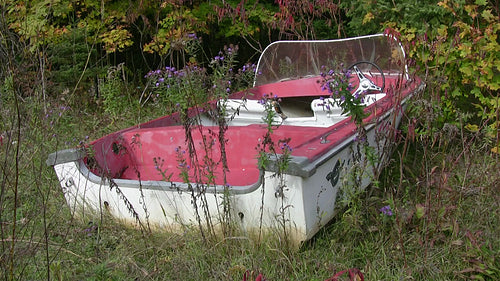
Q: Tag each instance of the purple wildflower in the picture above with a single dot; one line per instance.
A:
(285, 146)
(386, 210)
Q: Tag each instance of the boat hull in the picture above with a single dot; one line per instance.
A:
(299, 202)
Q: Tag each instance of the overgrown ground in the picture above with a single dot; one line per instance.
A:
(443, 190)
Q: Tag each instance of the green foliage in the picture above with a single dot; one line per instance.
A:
(43, 21)
(369, 17)
(116, 40)
(279, 154)
(112, 88)
(7, 90)
(452, 45)
(242, 18)
(73, 60)
(461, 61)
(63, 39)
(298, 18)
(175, 31)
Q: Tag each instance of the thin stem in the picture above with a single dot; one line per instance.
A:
(16, 185)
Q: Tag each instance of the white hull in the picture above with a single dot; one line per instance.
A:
(306, 204)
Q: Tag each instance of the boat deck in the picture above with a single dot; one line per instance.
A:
(166, 156)
(166, 160)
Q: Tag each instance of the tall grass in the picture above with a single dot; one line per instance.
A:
(442, 191)
(433, 214)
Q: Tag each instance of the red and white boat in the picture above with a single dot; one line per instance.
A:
(147, 173)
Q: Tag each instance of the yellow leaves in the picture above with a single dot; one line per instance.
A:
(472, 128)
(493, 129)
(174, 31)
(444, 4)
(464, 28)
(368, 17)
(491, 31)
(471, 10)
(173, 38)
(409, 33)
(448, 6)
(410, 37)
(442, 31)
(116, 39)
(492, 133)
(465, 49)
(156, 46)
(488, 16)
(496, 149)
(397, 56)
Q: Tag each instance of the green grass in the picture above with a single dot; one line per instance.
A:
(445, 223)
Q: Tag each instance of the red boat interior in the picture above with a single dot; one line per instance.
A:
(157, 150)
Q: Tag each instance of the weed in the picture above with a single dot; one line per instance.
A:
(115, 96)
(280, 152)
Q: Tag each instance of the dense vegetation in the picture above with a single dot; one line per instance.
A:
(74, 70)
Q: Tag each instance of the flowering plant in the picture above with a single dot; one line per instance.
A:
(386, 210)
(178, 90)
(339, 86)
(201, 89)
(194, 85)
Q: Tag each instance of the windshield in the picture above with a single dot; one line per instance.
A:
(290, 60)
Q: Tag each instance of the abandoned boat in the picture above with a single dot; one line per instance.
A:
(147, 173)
